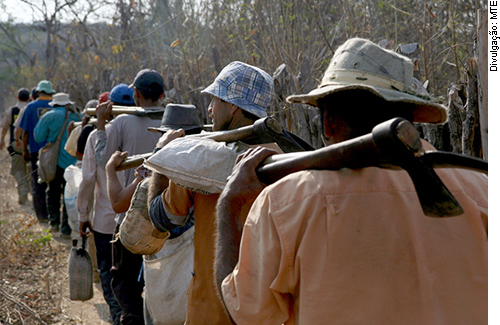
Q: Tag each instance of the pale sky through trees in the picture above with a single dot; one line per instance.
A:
(19, 11)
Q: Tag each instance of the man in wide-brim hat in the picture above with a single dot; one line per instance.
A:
(353, 245)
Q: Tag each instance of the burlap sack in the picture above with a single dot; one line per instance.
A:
(137, 233)
(200, 165)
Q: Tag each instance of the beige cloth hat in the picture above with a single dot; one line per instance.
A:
(60, 99)
(361, 64)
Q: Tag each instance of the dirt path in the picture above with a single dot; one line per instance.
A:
(33, 267)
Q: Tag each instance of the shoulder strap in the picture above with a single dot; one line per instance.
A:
(59, 137)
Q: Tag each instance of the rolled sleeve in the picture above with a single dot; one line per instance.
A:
(161, 218)
(85, 200)
(100, 148)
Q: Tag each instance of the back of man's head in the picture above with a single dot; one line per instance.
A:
(34, 93)
(149, 83)
(23, 95)
(103, 97)
(245, 86)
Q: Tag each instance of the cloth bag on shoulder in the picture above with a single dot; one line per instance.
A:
(167, 275)
(198, 164)
(137, 232)
(48, 155)
(72, 142)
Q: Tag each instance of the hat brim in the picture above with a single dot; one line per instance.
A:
(425, 112)
(250, 107)
(165, 128)
(62, 103)
(47, 91)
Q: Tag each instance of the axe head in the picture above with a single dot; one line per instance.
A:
(399, 145)
(268, 130)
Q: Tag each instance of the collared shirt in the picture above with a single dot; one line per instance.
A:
(94, 184)
(354, 247)
(47, 130)
(30, 118)
(127, 133)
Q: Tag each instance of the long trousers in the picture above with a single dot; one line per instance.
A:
(55, 192)
(104, 264)
(127, 283)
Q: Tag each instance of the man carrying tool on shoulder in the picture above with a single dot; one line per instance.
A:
(240, 96)
(129, 133)
(352, 245)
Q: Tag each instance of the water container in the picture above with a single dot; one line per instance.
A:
(80, 273)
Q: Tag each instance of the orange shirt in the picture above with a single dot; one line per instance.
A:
(354, 247)
(204, 305)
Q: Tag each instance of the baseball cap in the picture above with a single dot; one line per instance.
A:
(122, 95)
(45, 86)
(245, 86)
(149, 80)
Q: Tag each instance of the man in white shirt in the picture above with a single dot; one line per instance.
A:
(18, 167)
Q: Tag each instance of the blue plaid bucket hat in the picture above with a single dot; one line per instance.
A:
(245, 86)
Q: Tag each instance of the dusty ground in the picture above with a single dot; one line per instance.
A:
(33, 267)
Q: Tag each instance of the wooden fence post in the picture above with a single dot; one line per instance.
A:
(471, 139)
(482, 82)
(456, 114)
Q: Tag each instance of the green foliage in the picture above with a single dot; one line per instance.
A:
(36, 239)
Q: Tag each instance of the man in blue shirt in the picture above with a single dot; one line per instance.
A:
(30, 118)
(47, 130)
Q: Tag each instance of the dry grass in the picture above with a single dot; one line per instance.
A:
(33, 264)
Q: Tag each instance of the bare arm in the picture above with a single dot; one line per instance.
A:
(159, 182)
(18, 136)
(118, 196)
(2, 136)
(243, 187)
(26, 150)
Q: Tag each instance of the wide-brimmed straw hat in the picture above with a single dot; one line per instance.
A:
(61, 99)
(361, 64)
(177, 116)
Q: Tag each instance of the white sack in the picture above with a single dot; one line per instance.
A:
(73, 177)
(200, 165)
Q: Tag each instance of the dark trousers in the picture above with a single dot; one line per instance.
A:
(127, 283)
(38, 190)
(55, 192)
(104, 264)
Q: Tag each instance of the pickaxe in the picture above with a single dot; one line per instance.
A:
(394, 144)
